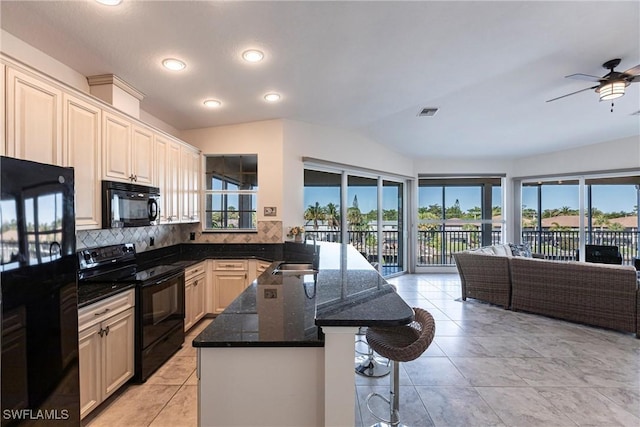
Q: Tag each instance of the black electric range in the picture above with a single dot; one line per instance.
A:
(159, 311)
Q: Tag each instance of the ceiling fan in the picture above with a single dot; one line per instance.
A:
(611, 85)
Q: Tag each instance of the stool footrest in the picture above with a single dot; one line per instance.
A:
(373, 414)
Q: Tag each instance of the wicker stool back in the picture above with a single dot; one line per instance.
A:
(404, 343)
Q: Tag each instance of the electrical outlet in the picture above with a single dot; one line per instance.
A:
(152, 241)
(192, 235)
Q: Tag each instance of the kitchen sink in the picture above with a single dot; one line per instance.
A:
(294, 268)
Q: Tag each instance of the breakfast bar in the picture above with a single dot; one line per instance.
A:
(282, 353)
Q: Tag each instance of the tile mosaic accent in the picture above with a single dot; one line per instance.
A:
(174, 234)
(268, 232)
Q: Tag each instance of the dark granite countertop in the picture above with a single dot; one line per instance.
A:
(187, 254)
(288, 310)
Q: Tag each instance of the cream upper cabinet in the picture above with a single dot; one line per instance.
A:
(81, 148)
(142, 156)
(190, 180)
(34, 118)
(116, 147)
(167, 172)
(128, 150)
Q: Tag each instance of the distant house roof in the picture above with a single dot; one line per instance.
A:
(573, 221)
(626, 221)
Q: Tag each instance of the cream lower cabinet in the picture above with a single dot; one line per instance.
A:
(106, 348)
(229, 280)
(194, 294)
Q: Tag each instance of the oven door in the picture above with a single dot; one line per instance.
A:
(161, 308)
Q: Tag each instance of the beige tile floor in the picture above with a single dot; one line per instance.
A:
(486, 367)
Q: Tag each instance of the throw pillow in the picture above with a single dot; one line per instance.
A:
(523, 249)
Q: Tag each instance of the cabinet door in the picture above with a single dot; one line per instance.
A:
(90, 356)
(198, 298)
(116, 141)
(161, 145)
(190, 174)
(188, 306)
(34, 114)
(81, 146)
(173, 182)
(118, 351)
(227, 286)
(142, 155)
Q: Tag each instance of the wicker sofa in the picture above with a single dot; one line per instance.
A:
(595, 294)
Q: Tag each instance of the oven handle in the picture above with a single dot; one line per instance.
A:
(166, 279)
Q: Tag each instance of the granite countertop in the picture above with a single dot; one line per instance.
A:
(185, 255)
(288, 310)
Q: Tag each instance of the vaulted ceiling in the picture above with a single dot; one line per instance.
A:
(368, 67)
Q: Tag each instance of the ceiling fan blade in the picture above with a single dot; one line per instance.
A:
(633, 71)
(586, 77)
(572, 93)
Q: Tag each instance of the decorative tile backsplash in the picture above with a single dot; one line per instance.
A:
(173, 234)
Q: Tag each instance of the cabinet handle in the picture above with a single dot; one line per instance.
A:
(106, 332)
(195, 283)
(102, 312)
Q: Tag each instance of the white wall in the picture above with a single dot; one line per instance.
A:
(606, 156)
(333, 145)
(261, 138)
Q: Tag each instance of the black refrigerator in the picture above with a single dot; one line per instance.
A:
(39, 297)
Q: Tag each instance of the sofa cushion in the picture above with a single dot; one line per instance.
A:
(485, 250)
(522, 249)
(503, 250)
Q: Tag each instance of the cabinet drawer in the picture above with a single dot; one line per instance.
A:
(102, 310)
(196, 280)
(194, 270)
(230, 265)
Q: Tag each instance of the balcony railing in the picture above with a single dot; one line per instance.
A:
(435, 247)
(564, 244)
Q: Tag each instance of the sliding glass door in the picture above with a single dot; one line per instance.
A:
(372, 218)
(457, 214)
(554, 224)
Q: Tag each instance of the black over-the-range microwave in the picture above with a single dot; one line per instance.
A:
(129, 205)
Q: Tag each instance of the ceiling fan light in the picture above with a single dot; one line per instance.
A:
(612, 90)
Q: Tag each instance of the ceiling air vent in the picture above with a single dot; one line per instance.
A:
(427, 112)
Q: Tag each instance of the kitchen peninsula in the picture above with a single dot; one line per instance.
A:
(282, 353)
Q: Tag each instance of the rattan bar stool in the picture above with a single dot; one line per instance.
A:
(399, 344)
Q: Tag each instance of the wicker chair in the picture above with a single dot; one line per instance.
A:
(484, 277)
(400, 344)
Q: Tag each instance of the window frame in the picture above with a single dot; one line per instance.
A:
(225, 194)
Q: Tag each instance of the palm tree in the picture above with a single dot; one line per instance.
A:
(314, 213)
(332, 216)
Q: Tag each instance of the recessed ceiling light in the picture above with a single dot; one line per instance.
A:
(272, 97)
(252, 55)
(212, 103)
(109, 2)
(174, 64)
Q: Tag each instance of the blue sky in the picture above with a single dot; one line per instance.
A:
(607, 198)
